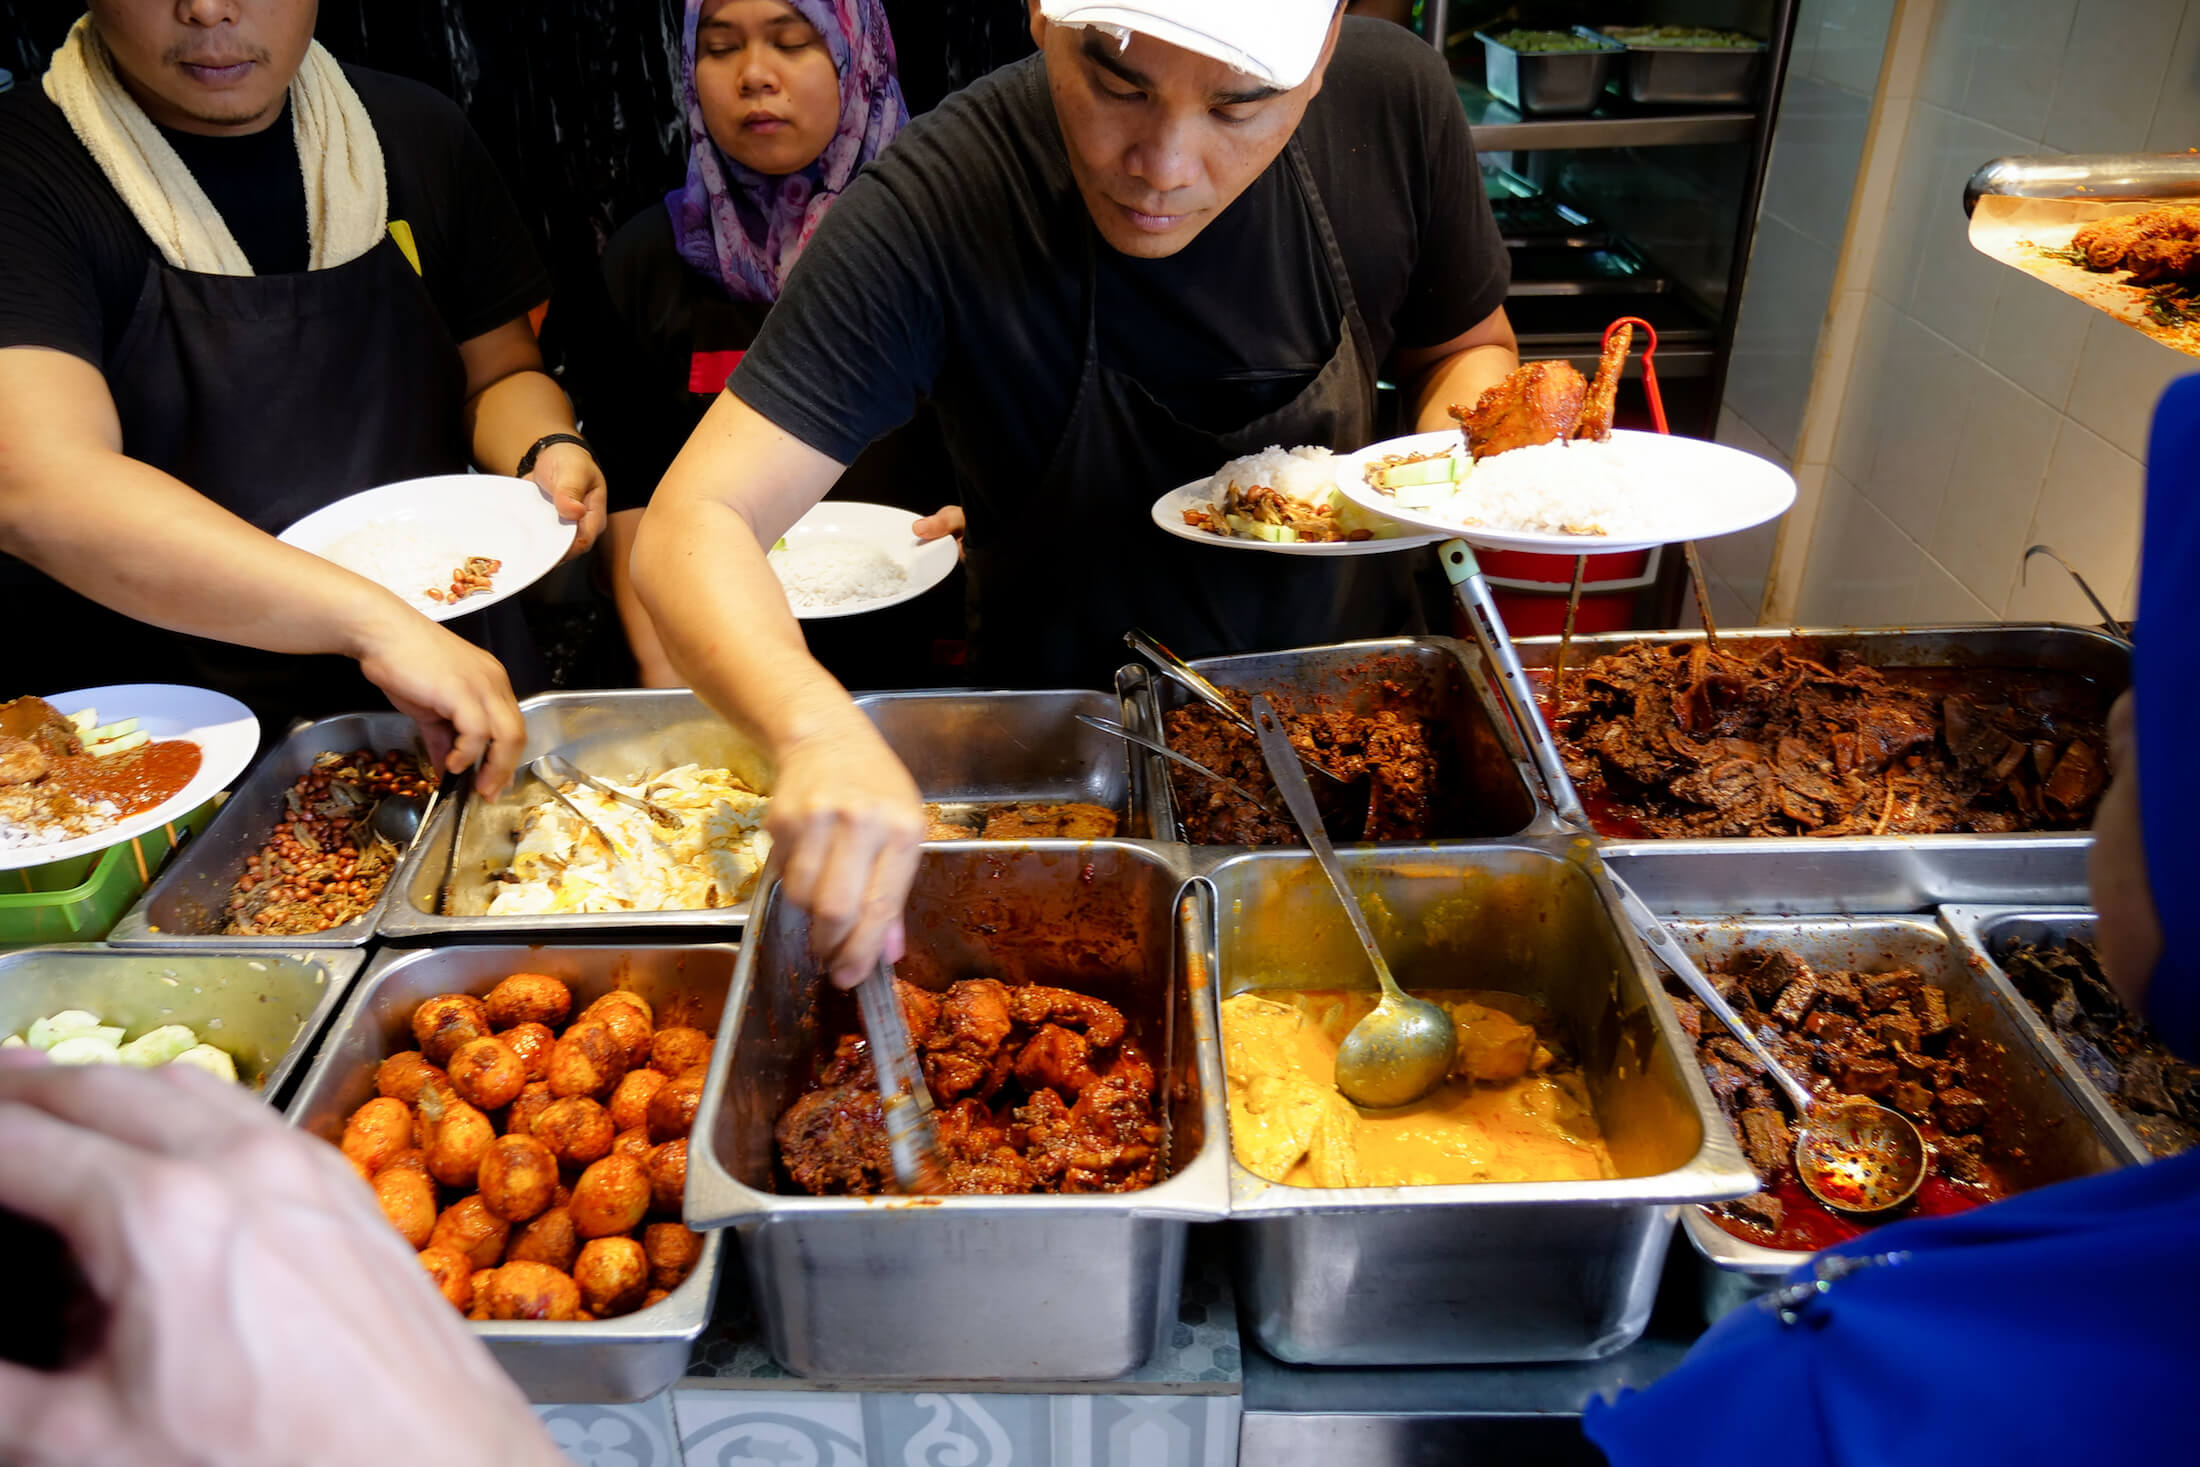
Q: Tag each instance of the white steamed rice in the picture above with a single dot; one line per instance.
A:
(1577, 489)
(1304, 474)
(822, 575)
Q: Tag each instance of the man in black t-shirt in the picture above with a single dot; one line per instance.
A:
(1186, 230)
(237, 283)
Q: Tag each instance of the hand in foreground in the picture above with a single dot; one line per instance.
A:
(456, 692)
(569, 475)
(258, 1309)
(847, 822)
(947, 520)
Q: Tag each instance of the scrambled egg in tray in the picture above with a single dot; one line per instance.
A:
(1513, 1110)
(713, 860)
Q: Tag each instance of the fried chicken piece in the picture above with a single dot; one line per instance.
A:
(850, 1063)
(2163, 261)
(22, 761)
(1603, 401)
(833, 1142)
(1035, 1004)
(1049, 822)
(920, 1010)
(1056, 1058)
(965, 1053)
(1107, 1142)
(1538, 403)
(2108, 243)
(976, 1152)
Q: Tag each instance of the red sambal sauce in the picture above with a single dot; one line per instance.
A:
(135, 780)
(1807, 1225)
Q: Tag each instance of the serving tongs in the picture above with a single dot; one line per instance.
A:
(1155, 746)
(2110, 623)
(541, 769)
(912, 1137)
(565, 769)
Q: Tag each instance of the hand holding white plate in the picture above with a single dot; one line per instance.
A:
(843, 558)
(410, 537)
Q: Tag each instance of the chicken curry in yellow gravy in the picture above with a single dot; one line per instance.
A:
(1514, 1109)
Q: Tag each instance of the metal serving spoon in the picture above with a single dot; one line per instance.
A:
(912, 1137)
(1403, 1050)
(1852, 1154)
(564, 768)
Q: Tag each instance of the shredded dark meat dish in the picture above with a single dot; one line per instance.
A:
(1679, 739)
(1038, 1089)
(1395, 747)
(2157, 1094)
(1888, 1036)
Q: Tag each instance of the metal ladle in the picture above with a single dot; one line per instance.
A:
(1405, 1048)
(1852, 1154)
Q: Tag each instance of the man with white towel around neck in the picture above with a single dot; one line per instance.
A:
(239, 282)
(1186, 230)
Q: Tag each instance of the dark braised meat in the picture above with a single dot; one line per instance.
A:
(1049, 822)
(1396, 748)
(1538, 403)
(999, 1062)
(36, 721)
(1884, 1035)
(1680, 739)
(2156, 1092)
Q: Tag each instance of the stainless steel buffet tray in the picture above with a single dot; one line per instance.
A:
(1441, 676)
(626, 1359)
(184, 907)
(1866, 874)
(1059, 1287)
(1496, 1272)
(996, 747)
(1988, 932)
(620, 735)
(2061, 1138)
(266, 1008)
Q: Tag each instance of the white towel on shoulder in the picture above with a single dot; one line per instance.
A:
(347, 194)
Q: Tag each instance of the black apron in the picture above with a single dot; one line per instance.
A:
(274, 396)
(1057, 576)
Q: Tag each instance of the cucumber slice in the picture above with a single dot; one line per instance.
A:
(1424, 496)
(84, 719)
(1276, 534)
(157, 1046)
(1443, 470)
(106, 731)
(120, 745)
(214, 1061)
(85, 1049)
(47, 1032)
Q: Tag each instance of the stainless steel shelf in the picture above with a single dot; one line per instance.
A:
(1499, 128)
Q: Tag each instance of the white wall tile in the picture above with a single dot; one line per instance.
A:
(2121, 374)
(1851, 42)
(1837, 344)
(1911, 198)
(1940, 597)
(1863, 569)
(2035, 337)
(1776, 340)
(1816, 151)
(2176, 124)
(1925, 392)
(2013, 74)
(2111, 77)
(2090, 510)
(2001, 460)
(1742, 563)
(1952, 285)
(1735, 432)
(1958, 32)
(1856, 439)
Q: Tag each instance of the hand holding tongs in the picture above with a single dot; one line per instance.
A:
(565, 769)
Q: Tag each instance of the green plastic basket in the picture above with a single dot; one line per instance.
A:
(81, 899)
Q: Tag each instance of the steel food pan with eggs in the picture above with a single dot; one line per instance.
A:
(2035, 1101)
(968, 749)
(1987, 934)
(444, 888)
(1894, 873)
(185, 905)
(1496, 1271)
(265, 1008)
(1487, 792)
(629, 1358)
(1054, 1287)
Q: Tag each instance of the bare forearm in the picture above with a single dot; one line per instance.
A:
(512, 414)
(1461, 379)
(654, 667)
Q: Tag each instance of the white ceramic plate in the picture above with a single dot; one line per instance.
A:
(223, 728)
(408, 537)
(1711, 490)
(885, 529)
(1168, 513)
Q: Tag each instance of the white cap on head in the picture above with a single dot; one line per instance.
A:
(1277, 41)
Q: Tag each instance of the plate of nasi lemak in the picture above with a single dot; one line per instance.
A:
(1286, 501)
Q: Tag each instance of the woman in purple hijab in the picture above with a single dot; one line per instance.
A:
(785, 101)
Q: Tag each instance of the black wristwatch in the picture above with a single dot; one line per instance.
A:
(534, 451)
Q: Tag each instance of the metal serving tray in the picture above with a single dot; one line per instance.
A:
(1902, 873)
(618, 735)
(1691, 76)
(1988, 932)
(626, 1359)
(975, 1288)
(1549, 81)
(2061, 1141)
(1498, 799)
(265, 1008)
(1499, 1272)
(993, 748)
(184, 906)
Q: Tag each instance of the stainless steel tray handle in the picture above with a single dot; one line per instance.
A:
(1465, 574)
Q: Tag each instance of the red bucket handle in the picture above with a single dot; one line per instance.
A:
(1649, 367)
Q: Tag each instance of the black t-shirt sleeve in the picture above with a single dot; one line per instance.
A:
(1461, 270)
(857, 335)
(71, 261)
